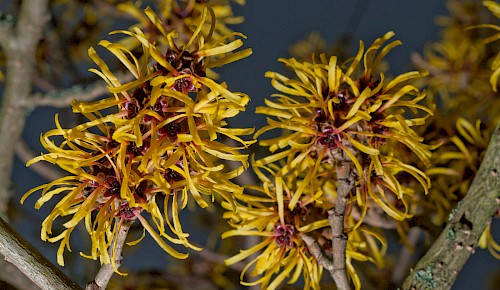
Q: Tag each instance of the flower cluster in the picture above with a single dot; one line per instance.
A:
(267, 216)
(264, 211)
(330, 115)
(333, 110)
(155, 140)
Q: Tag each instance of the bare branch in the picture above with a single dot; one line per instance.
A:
(375, 217)
(63, 98)
(31, 262)
(439, 267)
(337, 268)
(40, 83)
(214, 257)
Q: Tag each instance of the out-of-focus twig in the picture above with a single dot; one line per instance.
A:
(19, 43)
(63, 98)
(214, 257)
(404, 259)
(375, 218)
(45, 170)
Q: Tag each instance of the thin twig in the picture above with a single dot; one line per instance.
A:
(104, 275)
(63, 98)
(439, 267)
(375, 218)
(43, 84)
(315, 250)
(31, 262)
(214, 257)
(336, 220)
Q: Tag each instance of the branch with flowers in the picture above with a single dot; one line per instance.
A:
(353, 152)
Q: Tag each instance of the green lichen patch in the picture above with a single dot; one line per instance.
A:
(425, 278)
(450, 235)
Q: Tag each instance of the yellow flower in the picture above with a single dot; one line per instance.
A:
(329, 114)
(155, 140)
(331, 109)
(283, 250)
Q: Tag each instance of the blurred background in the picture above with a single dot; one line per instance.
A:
(272, 28)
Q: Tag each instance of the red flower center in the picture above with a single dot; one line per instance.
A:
(283, 235)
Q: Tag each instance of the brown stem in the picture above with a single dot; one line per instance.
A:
(336, 220)
(315, 250)
(439, 267)
(31, 262)
(104, 275)
(337, 268)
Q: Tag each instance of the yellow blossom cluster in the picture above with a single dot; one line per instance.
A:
(151, 146)
(331, 114)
